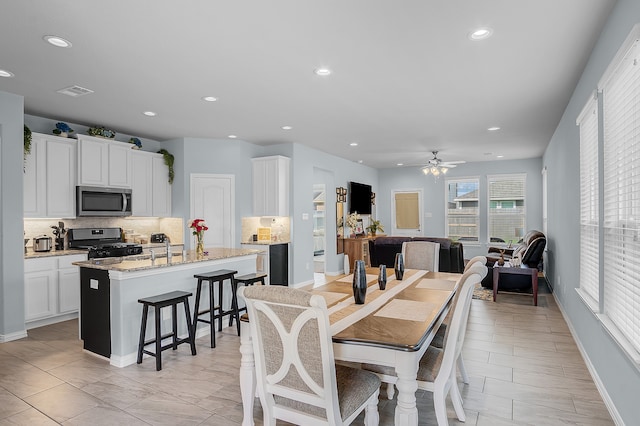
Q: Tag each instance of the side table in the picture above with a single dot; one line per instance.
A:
(520, 270)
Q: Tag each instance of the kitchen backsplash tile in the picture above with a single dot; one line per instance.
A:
(144, 226)
(280, 228)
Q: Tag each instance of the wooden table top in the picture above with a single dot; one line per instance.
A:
(399, 317)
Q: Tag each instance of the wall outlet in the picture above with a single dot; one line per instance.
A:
(307, 266)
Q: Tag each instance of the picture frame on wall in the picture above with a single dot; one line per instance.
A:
(359, 228)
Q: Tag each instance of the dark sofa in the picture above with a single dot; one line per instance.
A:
(382, 251)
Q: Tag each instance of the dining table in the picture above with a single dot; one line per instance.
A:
(393, 328)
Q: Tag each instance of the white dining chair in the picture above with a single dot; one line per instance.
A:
(297, 378)
(437, 368)
(438, 339)
(423, 255)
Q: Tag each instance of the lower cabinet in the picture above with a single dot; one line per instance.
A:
(357, 249)
(52, 289)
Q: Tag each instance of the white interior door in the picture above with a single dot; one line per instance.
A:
(212, 199)
(406, 213)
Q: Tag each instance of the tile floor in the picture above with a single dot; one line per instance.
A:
(525, 370)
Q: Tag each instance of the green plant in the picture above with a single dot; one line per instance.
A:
(101, 131)
(27, 145)
(375, 226)
(168, 160)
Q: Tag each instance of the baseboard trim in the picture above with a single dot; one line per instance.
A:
(13, 336)
(608, 402)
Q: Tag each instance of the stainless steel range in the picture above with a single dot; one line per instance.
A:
(102, 242)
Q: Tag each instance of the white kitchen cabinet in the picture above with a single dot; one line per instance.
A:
(151, 191)
(52, 289)
(50, 177)
(160, 187)
(271, 185)
(141, 177)
(103, 163)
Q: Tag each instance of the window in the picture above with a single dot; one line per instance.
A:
(462, 213)
(589, 205)
(506, 207)
(621, 195)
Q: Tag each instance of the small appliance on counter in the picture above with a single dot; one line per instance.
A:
(159, 238)
(42, 243)
(102, 242)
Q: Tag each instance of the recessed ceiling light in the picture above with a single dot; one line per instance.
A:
(150, 113)
(480, 34)
(500, 156)
(210, 98)
(353, 144)
(5, 73)
(57, 41)
(493, 129)
(322, 72)
(360, 161)
(400, 164)
(232, 136)
(287, 127)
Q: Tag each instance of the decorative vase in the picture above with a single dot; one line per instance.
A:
(382, 277)
(359, 282)
(399, 266)
(199, 246)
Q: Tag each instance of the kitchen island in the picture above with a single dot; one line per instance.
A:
(110, 314)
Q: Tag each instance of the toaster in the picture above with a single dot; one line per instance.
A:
(159, 238)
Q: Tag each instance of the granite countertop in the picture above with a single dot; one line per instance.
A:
(30, 254)
(143, 262)
(264, 243)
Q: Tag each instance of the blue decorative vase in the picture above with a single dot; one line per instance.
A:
(359, 282)
(382, 277)
(399, 266)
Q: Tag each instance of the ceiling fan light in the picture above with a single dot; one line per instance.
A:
(444, 170)
(435, 171)
(425, 170)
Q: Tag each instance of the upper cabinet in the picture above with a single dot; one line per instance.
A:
(151, 191)
(271, 186)
(50, 177)
(103, 162)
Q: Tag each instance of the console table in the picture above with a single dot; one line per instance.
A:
(519, 270)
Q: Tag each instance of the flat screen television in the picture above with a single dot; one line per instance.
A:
(359, 198)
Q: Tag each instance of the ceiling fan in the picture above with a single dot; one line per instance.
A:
(436, 166)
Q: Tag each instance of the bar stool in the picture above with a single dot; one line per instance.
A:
(248, 279)
(158, 302)
(212, 277)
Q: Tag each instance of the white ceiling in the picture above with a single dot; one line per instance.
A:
(406, 79)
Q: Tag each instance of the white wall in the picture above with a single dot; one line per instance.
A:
(11, 204)
(619, 377)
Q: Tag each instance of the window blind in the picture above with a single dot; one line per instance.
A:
(621, 174)
(589, 201)
(461, 209)
(407, 210)
(506, 224)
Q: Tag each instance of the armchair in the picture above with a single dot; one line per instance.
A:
(529, 251)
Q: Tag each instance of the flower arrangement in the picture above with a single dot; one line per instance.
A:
(62, 129)
(198, 226)
(101, 131)
(137, 142)
(352, 220)
(375, 226)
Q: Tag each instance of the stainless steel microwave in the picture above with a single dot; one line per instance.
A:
(97, 201)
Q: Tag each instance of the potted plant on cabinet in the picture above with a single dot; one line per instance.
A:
(374, 227)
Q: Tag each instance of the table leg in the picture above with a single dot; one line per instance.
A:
(534, 284)
(406, 410)
(247, 374)
(496, 278)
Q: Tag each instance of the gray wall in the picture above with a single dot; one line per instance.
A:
(11, 242)
(434, 195)
(620, 377)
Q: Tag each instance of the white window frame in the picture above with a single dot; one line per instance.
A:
(619, 207)
(471, 179)
(506, 176)
(589, 123)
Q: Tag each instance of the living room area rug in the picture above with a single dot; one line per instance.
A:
(514, 297)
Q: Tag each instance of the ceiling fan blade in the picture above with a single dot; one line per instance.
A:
(454, 162)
